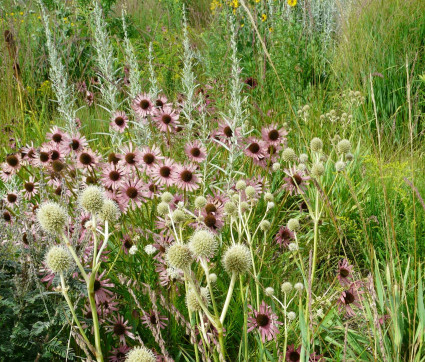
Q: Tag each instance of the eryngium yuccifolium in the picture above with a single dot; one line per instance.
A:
(237, 259)
(349, 156)
(58, 259)
(92, 199)
(241, 185)
(178, 216)
(200, 202)
(291, 316)
(250, 192)
(303, 158)
(179, 256)
(203, 244)
(276, 166)
(110, 211)
(316, 144)
(268, 196)
(343, 146)
(230, 207)
(140, 354)
(269, 291)
(299, 286)
(162, 208)
(244, 206)
(317, 170)
(213, 277)
(166, 197)
(192, 301)
(339, 166)
(52, 218)
(289, 155)
(293, 224)
(286, 287)
(265, 225)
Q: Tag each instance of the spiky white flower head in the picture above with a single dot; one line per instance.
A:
(167, 197)
(162, 208)
(269, 291)
(200, 202)
(349, 156)
(58, 259)
(140, 354)
(52, 218)
(203, 244)
(179, 256)
(343, 146)
(92, 199)
(235, 198)
(178, 216)
(180, 204)
(268, 196)
(301, 167)
(192, 300)
(316, 144)
(110, 211)
(133, 250)
(317, 170)
(286, 287)
(237, 259)
(240, 185)
(299, 287)
(230, 207)
(320, 313)
(265, 225)
(150, 249)
(339, 166)
(213, 278)
(245, 206)
(289, 155)
(291, 316)
(293, 247)
(276, 166)
(270, 205)
(250, 192)
(293, 224)
(303, 158)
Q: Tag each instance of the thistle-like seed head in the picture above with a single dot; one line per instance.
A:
(230, 207)
(343, 146)
(317, 170)
(237, 259)
(299, 287)
(339, 166)
(192, 301)
(92, 199)
(316, 144)
(178, 216)
(293, 224)
(286, 287)
(179, 256)
(140, 354)
(289, 155)
(162, 208)
(250, 192)
(265, 225)
(52, 218)
(240, 185)
(167, 197)
(200, 202)
(203, 244)
(58, 259)
(110, 211)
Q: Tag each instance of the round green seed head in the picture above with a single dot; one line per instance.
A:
(192, 301)
(58, 259)
(343, 146)
(316, 144)
(250, 192)
(230, 207)
(92, 199)
(241, 185)
(140, 354)
(166, 197)
(265, 225)
(110, 211)
(276, 166)
(293, 224)
(303, 158)
(237, 259)
(349, 156)
(178, 216)
(200, 202)
(289, 155)
(269, 291)
(203, 244)
(52, 218)
(244, 206)
(317, 170)
(179, 256)
(286, 287)
(299, 287)
(339, 166)
(162, 208)
(268, 197)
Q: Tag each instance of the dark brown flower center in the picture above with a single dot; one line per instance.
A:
(195, 152)
(86, 159)
(130, 158)
(228, 131)
(165, 171)
(285, 234)
(166, 119)
(344, 272)
(57, 137)
(119, 121)
(144, 104)
(152, 318)
(159, 103)
(91, 180)
(12, 160)
(114, 175)
(97, 285)
(119, 329)
(271, 150)
(273, 135)
(58, 191)
(58, 166)
(31, 154)
(294, 356)
(120, 356)
(12, 198)
(210, 220)
(44, 156)
(112, 158)
(349, 297)
(153, 188)
(262, 320)
(75, 144)
(254, 147)
(7, 216)
(128, 243)
(132, 192)
(29, 186)
(210, 208)
(186, 176)
(296, 179)
(149, 158)
(54, 155)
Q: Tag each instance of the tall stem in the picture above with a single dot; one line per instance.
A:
(229, 296)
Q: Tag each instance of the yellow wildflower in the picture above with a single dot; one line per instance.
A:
(263, 17)
(292, 2)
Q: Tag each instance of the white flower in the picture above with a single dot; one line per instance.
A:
(150, 249)
(133, 250)
(293, 247)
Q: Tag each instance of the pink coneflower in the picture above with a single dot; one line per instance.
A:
(11, 198)
(77, 143)
(226, 133)
(127, 243)
(195, 151)
(271, 155)
(113, 176)
(120, 329)
(155, 319)
(30, 188)
(114, 158)
(57, 136)
(350, 297)
(100, 293)
(142, 105)
(212, 217)
(43, 156)
(119, 121)
(254, 148)
(166, 119)
(132, 192)
(185, 177)
(345, 272)
(273, 134)
(29, 153)
(168, 276)
(13, 163)
(107, 306)
(163, 172)
(131, 157)
(296, 181)
(284, 236)
(7, 217)
(119, 354)
(5, 175)
(161, 101)
(89, 98)
(153, 190)
(293, 354)
(87, 158)
(149, 157)
(265, 321)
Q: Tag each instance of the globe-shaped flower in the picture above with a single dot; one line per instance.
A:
(110, 211)
(140, 354)
(200, 202)
(237, 259)
(316, 144)
(203, 244)
(293, 224)
(317, 170)
(162, 208)
(52, 218)
(58, 259)
(289, 155)
(92, 199)
(166, 197)
(343, 146)
(179, 256)
(192, 301)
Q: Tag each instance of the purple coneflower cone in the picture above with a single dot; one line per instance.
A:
(349, 298)
(345, 272)
(265, 321)
(296, 182)
(284, 236)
